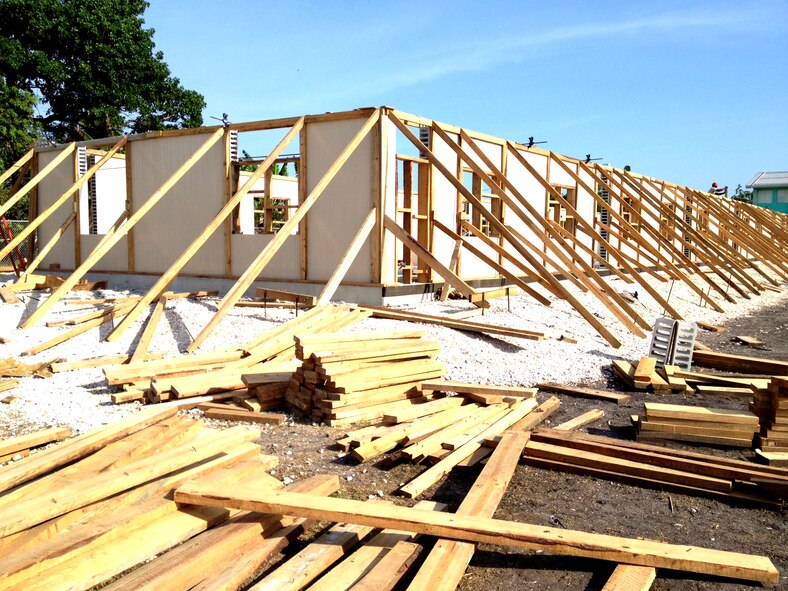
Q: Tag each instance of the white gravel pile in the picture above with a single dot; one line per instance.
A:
(80, 399)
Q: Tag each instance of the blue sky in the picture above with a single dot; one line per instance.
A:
(690, 92)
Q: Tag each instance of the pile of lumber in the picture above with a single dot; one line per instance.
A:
(15, 448)
(657, 467)
(85, 511)
(458, 430)
(645, 376)
(267, 361)
(697, 424)
(772, 410)
(352, 376)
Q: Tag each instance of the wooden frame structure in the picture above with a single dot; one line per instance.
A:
(425, 200)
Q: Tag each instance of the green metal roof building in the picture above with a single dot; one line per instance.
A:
(770, 190)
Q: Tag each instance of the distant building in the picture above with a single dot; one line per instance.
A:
(770, 190)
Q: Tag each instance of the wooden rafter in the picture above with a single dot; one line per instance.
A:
(505, 231)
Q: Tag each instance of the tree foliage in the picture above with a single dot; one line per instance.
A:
(742, 195)
(93, 67)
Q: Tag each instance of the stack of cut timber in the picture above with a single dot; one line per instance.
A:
(773, 416)
(642, 376)
(351, 376)
(87, 510)
(269, 358)
(697, 424)
(447, 432)
(655, 467)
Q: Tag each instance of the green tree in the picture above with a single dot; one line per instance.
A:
(742, 195)
(93, 66)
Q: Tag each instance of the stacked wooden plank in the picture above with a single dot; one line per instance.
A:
(645, 376)
(716, 426)
(654, 466)
(85, 511)
(352, 376)
(447, 432)
(772, 411)
(269, 360)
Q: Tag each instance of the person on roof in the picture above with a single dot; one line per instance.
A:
(717, 190)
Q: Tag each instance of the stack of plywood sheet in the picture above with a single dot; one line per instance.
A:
(773, 414)
(657, 467)
(697, 424)
(352, 376)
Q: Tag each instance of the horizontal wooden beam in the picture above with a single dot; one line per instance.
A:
(485, 530)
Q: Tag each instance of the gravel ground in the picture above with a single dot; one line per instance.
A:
(81, 400)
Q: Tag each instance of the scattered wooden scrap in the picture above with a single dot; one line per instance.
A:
(8, 296)
(710, 327)
(581, 421)
(482, 393)
(276, 296)
(457, 431)
(30, 282)
(749, 341)
(485, 530)
(583, 392)
(714, 426)
(448, 322)
(653, 466)
(8, 384)
(13, 368)
(649, 378)
(348, 377)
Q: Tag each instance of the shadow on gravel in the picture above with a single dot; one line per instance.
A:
(499, 344)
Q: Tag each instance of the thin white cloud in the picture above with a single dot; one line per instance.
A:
(408, 70)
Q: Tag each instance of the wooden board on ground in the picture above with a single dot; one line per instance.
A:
(492, 531)
(582, 392)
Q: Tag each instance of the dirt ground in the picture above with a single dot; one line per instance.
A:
(578, 502)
